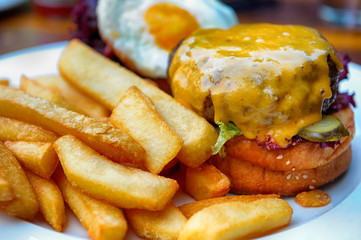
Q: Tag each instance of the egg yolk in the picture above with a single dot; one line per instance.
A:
(169, 24)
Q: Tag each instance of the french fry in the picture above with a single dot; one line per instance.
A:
(206, 181)
(165, 224)
(236, 220)
(4, 82)
(14, 130)
(5, 191)
(38, 157)
(189, 209)
(25, 204)
(103, 179)
(136, 115)
(113, 143)
(73, 96)
(37, 90)
(51, 202)
(102, 221)
(106, 82)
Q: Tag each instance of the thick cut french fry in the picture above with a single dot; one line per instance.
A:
(103, 179)
(25, 204)
(236, 220)
(112, 142)
(73, 96)
(102, 221)
(14, 130)
(51, 202)
(165, 224)
(106, 81)
(206, 181)
(37, 90)
(136, 115)
(5, 190)
(38, 157)
(191, 208)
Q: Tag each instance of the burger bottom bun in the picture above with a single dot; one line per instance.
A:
(304, 155)
(247, 178)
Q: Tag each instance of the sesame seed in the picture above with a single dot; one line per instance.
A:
(297, 177)
(289, 176)
(313, 180)
(285, 34)
(294, 144)
(246, 38)
(293, 169)
(305, 176)
(259, 40)
(288, 162)
(311, 187)
(279, 157)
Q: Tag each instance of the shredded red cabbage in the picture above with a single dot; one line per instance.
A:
(85, 19)
(344, 99)
(329, 144)
(345, 59)
(269, 143)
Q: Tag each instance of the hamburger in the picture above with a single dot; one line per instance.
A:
(272, 91)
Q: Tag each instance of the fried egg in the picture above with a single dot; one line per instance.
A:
(142, 33)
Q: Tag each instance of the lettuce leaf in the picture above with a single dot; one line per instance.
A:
(226, 132)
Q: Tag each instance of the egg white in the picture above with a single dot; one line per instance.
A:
(121, 24)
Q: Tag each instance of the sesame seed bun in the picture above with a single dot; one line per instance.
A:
(247, 178)
(305, 166)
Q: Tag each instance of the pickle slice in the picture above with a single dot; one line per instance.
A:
(329, 129)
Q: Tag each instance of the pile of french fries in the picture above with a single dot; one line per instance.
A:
(116, 149)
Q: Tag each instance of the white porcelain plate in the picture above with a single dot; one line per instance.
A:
(339, 220)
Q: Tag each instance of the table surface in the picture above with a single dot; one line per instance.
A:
(24, 27)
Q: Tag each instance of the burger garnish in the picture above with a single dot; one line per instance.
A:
(226, 132)
(329, 129)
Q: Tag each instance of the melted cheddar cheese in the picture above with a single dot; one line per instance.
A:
(269, 80)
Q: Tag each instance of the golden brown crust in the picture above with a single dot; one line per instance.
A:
(304, 155)
(250, 179)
